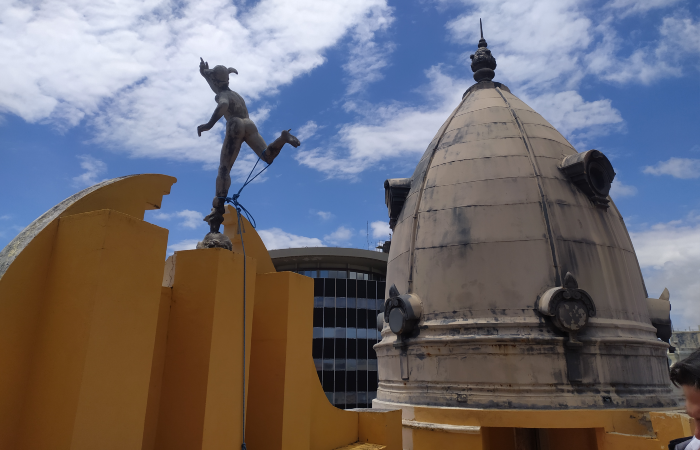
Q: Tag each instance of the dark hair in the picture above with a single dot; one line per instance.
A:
(687, 371)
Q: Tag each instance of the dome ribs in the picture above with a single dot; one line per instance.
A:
(535, 168)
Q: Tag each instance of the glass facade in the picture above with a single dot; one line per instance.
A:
(346, 305)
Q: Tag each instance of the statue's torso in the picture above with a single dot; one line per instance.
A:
(236, 105)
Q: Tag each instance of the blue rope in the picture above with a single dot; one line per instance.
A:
(234, 198)
(240, 208)
(245, 275)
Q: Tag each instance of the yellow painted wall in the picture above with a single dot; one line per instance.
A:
(254, 246)
(202, 376)
(560, 430)
(97, 354)
(23, 285)
(288, 408)
(88, 372)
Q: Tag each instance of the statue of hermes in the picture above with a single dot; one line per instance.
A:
(239, 129)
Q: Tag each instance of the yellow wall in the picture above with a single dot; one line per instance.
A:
(94, 344)
(97, 354)
(288, 408)
(23, 286)
(557, 430)
(202, 376)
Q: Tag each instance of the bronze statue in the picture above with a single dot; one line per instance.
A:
(239, 129)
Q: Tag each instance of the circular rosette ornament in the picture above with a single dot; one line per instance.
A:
(568, 307)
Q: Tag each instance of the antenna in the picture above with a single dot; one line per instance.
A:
(481, 28)
(368, 235)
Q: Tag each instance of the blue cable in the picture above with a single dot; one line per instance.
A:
(234, 198)
(236, 204)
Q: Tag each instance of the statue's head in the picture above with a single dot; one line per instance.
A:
(219, 76)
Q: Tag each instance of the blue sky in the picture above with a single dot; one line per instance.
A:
(94, 90)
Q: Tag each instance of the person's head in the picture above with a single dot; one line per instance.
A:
(686, 374)
(218, 77)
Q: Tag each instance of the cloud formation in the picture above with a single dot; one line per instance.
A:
(393, 131)
(669, 254)
(130, 68)
(380, 229)
(546, 76)
(306, 131)
(275, 238)
(340, 236)
(185, 244)
(367, 56)
(683, 168)
(190, 219)
(325, 215)
(93, 168)
(620, 189)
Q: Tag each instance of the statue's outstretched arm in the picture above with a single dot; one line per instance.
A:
(203, 65)
(218, 114)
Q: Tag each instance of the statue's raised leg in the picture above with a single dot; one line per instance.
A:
(268, 153)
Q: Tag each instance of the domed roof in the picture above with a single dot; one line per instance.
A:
(499, 210)
(496, 218)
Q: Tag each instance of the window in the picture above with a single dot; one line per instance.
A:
(344, 319)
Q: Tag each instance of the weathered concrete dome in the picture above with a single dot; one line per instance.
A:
(485, 232)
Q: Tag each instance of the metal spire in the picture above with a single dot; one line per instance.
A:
(483, 62)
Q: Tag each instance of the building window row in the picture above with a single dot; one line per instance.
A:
(345, 274)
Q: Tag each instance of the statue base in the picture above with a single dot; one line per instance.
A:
(215, 240)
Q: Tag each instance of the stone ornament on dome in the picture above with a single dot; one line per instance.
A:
(483, 62)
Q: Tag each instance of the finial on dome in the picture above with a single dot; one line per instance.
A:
(482, 41)
(483, 62)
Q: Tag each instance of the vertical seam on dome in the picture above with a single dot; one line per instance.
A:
(414, 229)
(535, 169)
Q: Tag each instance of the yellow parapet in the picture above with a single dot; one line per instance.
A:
(105, 346)
(428, 428)
(287, 408)
(58, 279)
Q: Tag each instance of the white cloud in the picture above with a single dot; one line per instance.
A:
(679, 39)
(380, 229)
(367, 57)
(307, 130)
(628, 7)
(574, 117)
(396, 132)
(400, 133)
(130, 68)
(276, 238)
(325, 215)
(619, 189)
(680, 32)
(669, 254)
(186, 244)
(191, 219)
(260, 115)
(676, 167)
(5, 217)
(93, 168)
(540, 47)
(340, 236)
(534, 41)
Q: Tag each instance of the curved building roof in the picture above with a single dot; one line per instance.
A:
(329, 258)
